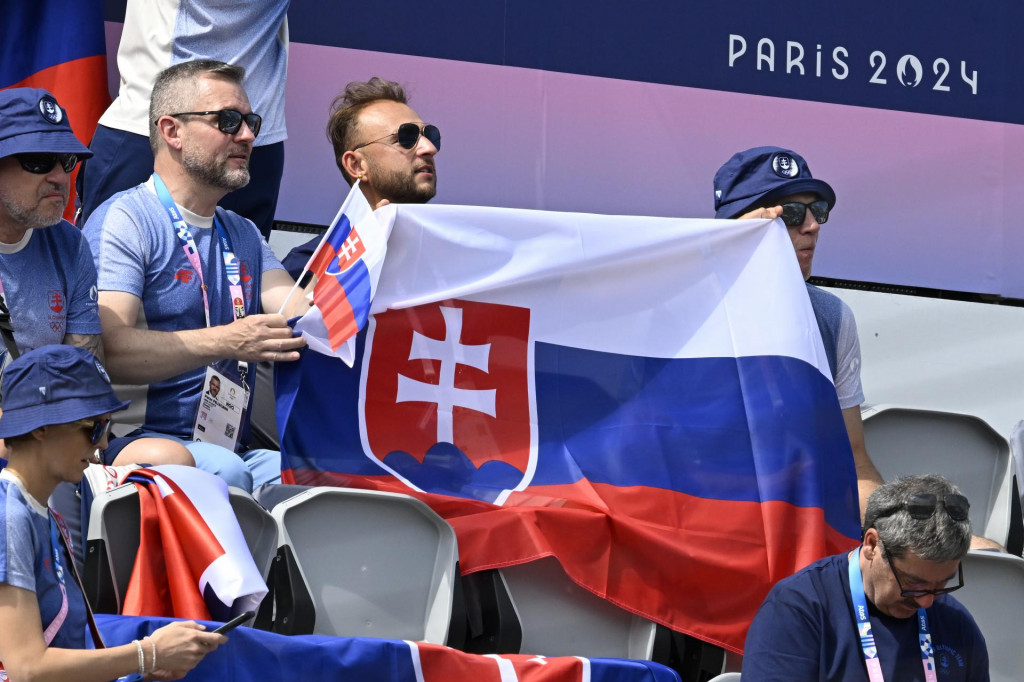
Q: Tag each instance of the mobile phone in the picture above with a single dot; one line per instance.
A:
(234, 623)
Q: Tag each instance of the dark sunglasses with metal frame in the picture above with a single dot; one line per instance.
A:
(97, 428)
(923, 593)
(41, 163)
(229, 120)
(921, 506)
(794, 212)
(408, 135)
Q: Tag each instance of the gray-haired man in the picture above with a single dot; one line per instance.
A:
(883, 610)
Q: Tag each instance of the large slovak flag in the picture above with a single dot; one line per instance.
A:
(346, 264)
(59, 46)
(645, 399)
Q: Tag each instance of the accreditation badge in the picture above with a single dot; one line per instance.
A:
(220, 410)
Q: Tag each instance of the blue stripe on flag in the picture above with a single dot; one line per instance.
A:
(717, 428)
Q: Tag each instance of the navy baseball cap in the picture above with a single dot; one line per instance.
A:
(32, 121)
(761, 175)
(54, 385)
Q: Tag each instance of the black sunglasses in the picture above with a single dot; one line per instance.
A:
(97, 428)
(42, 163)
(229, 120)
(408, 135)
(924, 593)
(794, 212)
(922, 505)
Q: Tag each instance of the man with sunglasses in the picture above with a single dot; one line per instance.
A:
(183, 282)
(883, 610)
(381, 141)
(47, 276)
(771, 182)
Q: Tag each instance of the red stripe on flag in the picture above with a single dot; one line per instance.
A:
(339, 318)
(165, 581)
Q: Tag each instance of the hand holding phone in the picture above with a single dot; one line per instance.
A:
(234, 623)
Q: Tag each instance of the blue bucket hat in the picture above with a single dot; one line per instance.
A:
(54, 385)
(32, 121)
(758, 176)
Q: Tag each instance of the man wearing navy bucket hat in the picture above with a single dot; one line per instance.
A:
(47, 275)
(772, 182)
(57, 402)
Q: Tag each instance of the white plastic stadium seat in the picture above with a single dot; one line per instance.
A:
(110, 547)
(560, 618)
(726, 677)
(994, 594)
(368, 564)
(963, 448)
(258, 527)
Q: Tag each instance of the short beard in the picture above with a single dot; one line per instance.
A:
(209, 172)
(36, 217)
(400, 188)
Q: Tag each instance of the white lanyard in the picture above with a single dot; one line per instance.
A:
(867, 639)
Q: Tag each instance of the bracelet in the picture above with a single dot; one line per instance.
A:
(142, 657)
(152, 667)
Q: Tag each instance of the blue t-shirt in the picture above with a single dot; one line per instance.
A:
(26, 561)
(805, 631)
(138, 252)
(49, 284)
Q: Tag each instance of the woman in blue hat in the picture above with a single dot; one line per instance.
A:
(56, 404)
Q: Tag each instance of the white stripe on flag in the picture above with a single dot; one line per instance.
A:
(505, 668)
(727, 288)
(414, 654)
(585, 673)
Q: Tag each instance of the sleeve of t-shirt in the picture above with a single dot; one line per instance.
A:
(848, 385)
(83, 314)
(784, 640)
(17, 554)
(119, 248)
(270, 261)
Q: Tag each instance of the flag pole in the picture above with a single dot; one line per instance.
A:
(316, 251)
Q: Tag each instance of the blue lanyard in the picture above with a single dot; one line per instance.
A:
(867, 639)
(232, 269)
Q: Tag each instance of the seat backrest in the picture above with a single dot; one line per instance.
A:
(375, 564)
(726, 677)
(113, 539)
(963, 448)
(270, 495)
(258, 527)
(560, 618)
(994, 594)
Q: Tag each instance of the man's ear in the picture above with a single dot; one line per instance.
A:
(170, 131)
(872, 546)
(354, 164)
